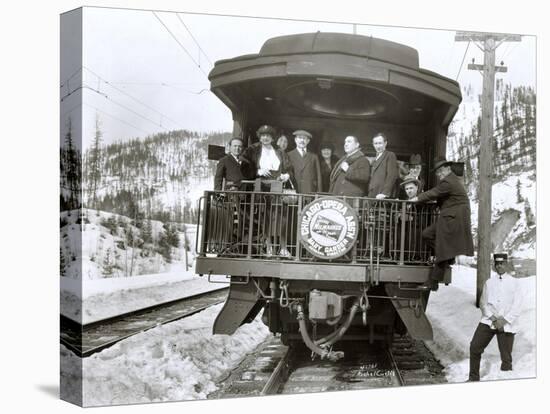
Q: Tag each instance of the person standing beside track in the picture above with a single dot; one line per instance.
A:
(500, 306)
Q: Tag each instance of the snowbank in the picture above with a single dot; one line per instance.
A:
(104, 298)
(178, 361)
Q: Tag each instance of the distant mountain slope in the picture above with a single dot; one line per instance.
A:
(160, 177)
(514, 163)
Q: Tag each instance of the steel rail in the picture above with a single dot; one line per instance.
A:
(108, 322)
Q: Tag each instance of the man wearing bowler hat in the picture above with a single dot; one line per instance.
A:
(451, 234)
(500, 306)
(307, 172)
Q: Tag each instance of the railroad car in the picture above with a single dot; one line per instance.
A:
(356, 264)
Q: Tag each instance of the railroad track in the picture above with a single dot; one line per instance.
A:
(277, 369)
(85, 340)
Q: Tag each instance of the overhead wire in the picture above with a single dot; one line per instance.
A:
(125, 107)
(179, 43)
(164, 84)
(463, 58)
(118, 119)
(70, 77)
(193, 37)
(133, 98)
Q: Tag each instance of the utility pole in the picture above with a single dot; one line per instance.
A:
(490, 43)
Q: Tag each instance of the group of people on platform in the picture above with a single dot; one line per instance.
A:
(354, 175)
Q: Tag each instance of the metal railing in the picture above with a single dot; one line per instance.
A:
(265, 225)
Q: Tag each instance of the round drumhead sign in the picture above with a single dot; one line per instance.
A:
(328, 227)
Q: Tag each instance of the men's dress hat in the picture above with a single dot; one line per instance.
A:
(500, 257)
(265, 129)
(410, 179)
(302, 132)
(326, 144)
(415, 159)
(440, 162)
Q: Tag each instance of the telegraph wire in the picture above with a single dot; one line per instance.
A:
(70, 77)
(125, 107)
(179, 43)
(463, 58)
(133, 98)
(118, 119)
(193, 37)
(163, 84)
(82, 87)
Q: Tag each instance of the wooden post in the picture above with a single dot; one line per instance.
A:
(485, 169)
(485, 147)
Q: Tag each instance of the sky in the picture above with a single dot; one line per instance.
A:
(145, 72)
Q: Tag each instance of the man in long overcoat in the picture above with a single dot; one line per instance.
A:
(350, 176)
(451, 234)
(384, 170)
(229, 168)
(305, 165)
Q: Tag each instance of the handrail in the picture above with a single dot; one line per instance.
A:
(244, 222)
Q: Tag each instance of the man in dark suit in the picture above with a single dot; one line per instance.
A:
(307, 172)
(229, 168)
(451, 234)
(350, 176)
(384, 170)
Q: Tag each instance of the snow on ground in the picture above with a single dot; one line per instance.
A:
(455, 317)
(505, 197)
(104, 298)
(183, 360)
(173, 362)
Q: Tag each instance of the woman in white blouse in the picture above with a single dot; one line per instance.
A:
(263, 160)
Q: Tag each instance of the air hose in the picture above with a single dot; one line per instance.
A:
(319, 346)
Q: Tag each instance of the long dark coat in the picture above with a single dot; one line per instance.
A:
(353, 182)
(227, 168)
(251, 160)
(384, 174)
(325, 172)
(307, 172)
(453, 229)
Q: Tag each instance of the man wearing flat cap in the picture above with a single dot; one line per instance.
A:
(451, 234)
(500, 306)
(305, 165)
(410, 186)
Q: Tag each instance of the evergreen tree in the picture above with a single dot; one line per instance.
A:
(94, 165)
(62, 263)
(108, 265)
(529, 216)
(71, 167)
(147, 232)
(518, 191)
